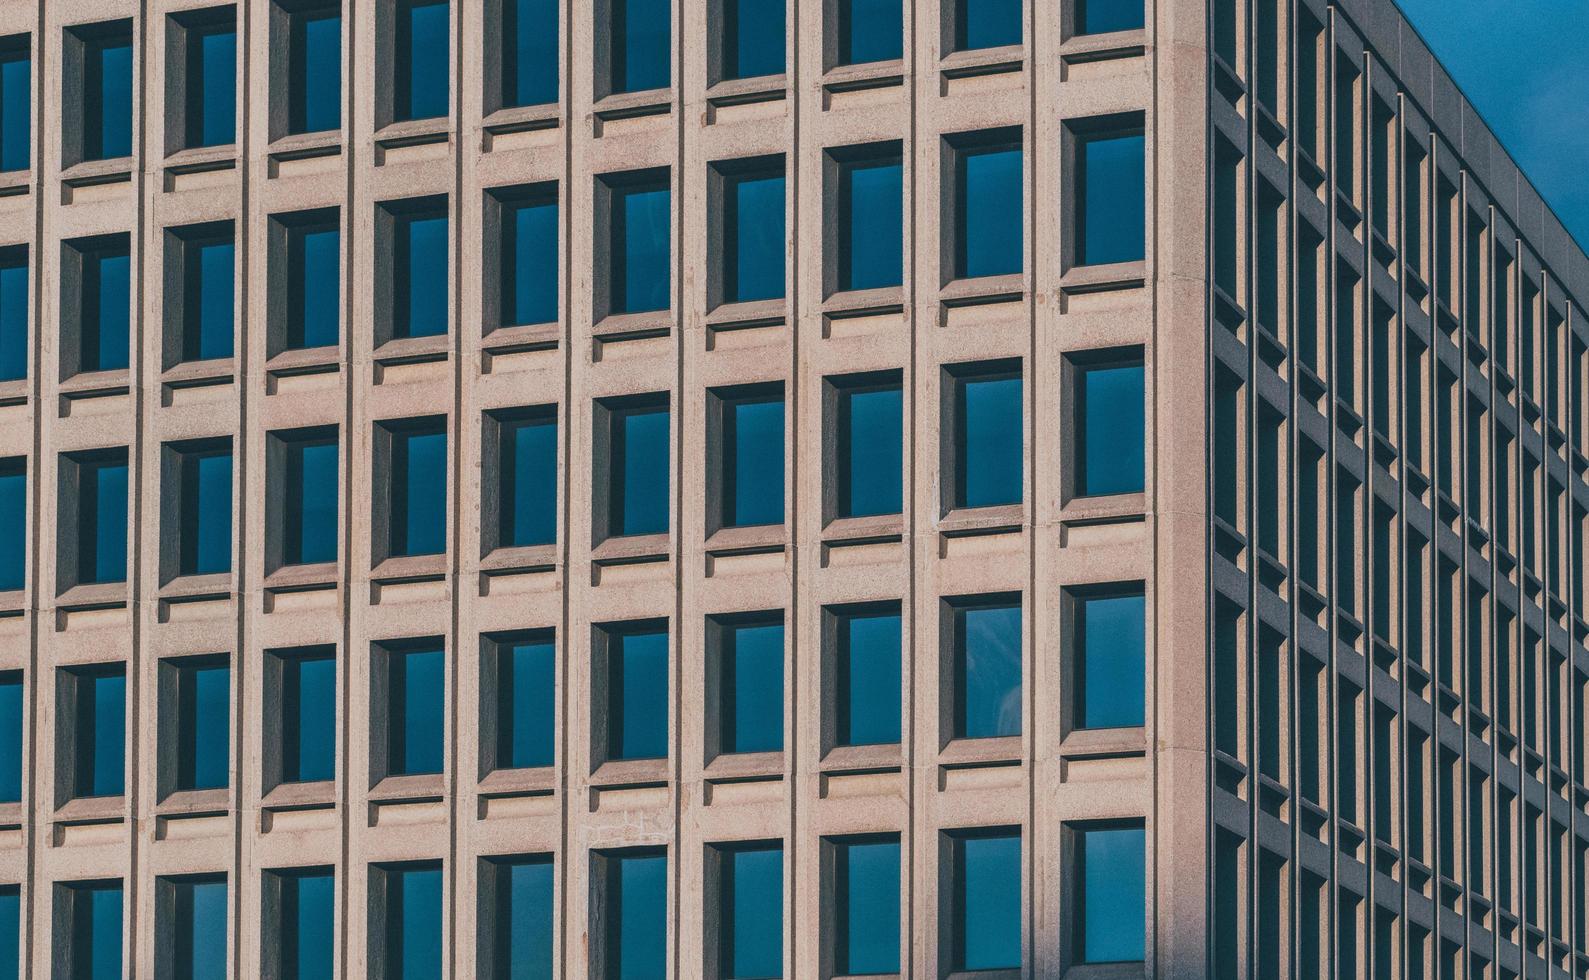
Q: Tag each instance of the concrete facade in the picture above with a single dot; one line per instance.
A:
(1236, 841)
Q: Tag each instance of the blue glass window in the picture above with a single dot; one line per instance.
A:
(1111, 198)
(103, 303)
(308, 714)
(314, 278)
(93, 916)
(417, 489)
(637, 691)
(987, 668)
(869, 446)
(11, 742)
(870, 30)
(106, 92)
(1111, 909)
(207, 254)
(411, 937)
(866, 889)
(1111, 664)
(989, 464)
(985, 926)
(419, 280)
(638, 464)
(205, 515)
(529, 52)
(870, 219)
(527, 475)
(525, 688)
(16, 104)
(420, 87)
(209, 112)
(751, 908)
(198, 930)
(13, 313)
(753, 233)
(641, 37)
(95, 699)
(529, 263)
(867, 675)
(13, 523)
(988, 235)
(308, 495)
(415, 709)
(10, 932)
(640, 250)
(516, 935)
(633, 920)
(101, 529)
(304, 943)
(1105, 16)
(750, 684)
(314, 69)
(752, 457)
(203, 725)
(986, 23)
(752, 35)
(1111, 428)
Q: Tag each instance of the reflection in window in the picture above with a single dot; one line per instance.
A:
(984, 930)
(300, 926)
(1112, 900)
(866, 897)
(406, 940)
(869, 218)
(987, 668)
(638, 244)
(750, 900)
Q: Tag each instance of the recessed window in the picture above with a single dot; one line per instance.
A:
(748, 900)
(306, 292)
(13, 523)
(863, 917)
(408, 690)
(405, 921)
(638, 46)
(984, 169)
(986, 23)
(11, 931)
(866, 674)
(97, 122)
(983, 455)
(91, 715)
(1111, 892)
(411, 499)
(300, 715)
(744, 686)
(200, 272)
(629, 687)
(96, 304)
(88, 927)
(299, 930)
(198, 506)
(1108, 655)
(91, 546)
(518, 701)
(516, 915)
(982, 698)
(202, 67)
(415, 283)
(629, 913)
(638, 246)
(527, 255)
(749, 477)
(1110, 192)
(14, 348)
(750, 38)
(420, 52)
(196, 722)
(869, 30)
(525, 468)
(301, 508)
(16, 103)
(1110, 424)
(1107, 16)
(750, 232)
(528, 53)
(866, 459)
(868, 229)
(309, 85)
(191, 914)
(632, 493)
(11, 740)
(982, 901)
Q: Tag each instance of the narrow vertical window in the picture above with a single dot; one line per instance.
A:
(199, 506)
(420, 76)
(1110, 664)
(639, 38)
(14, 347)
(752, 38)
(1111, 194)
(750, 455)
(91, 704)
(633, 497)
(746, 656)
(866, 674)
(984, 451)
(518, 695)
(16, 103)
(410, 684)
(10, 932)
(200, 275)
(986, 171)
(516, 910)
(749, 902)
(867, 455)
(196, 719)
(299, 929)
(13, 523)
(1111, 902)
(631, 682)
(416, 286)
(864, 916)
(415, 487)
(301, 715)
(986, 23)
(639, 249)
(870, 30)
(982, 900)
(1110, 427)
(750, 230)
(191, 914)
(529, 38)
(406, 921)
(301, 512)
(96, 305)
(92, 543)
(983, 694)
(12, 744)
(98, 58)
(868, 217)
(310, 83)
(308, 298)
(1107, 16)
(204, 45)
(88, 922)
(629, 913)
(526, 474)
(527, 257)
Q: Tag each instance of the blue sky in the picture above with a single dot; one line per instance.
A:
(1516, 62)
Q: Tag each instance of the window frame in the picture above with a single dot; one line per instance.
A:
(286, 293)
(495, 702)
(724, 252)
(394, 316)
(80, 43)
(273, 912)
(184, 88)
(839, 163)
(607, 471)
(180, 529)
(280, 444)
(494, 934)
(606, 713)
(952, 900)
(612, 256)
(954, 378)
(500, 205)
(723, 455)
(1074, 366)
(1073, 600)
(497, 428)
(178, 727)
(73, 759)
(721, 881)
(73, 550)
(277, 713)
(75, 256)
(953, 677)
(182, 294)
(1078, 133)
(834, 619)
(721, 689)
(386, 724)
(956, 149)
(385, 433)
(838, 480)
(287, 19)
(174, 939)
(69, 915)
(384, 878)
(606, 920)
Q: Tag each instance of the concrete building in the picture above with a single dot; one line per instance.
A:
(1082, 489)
